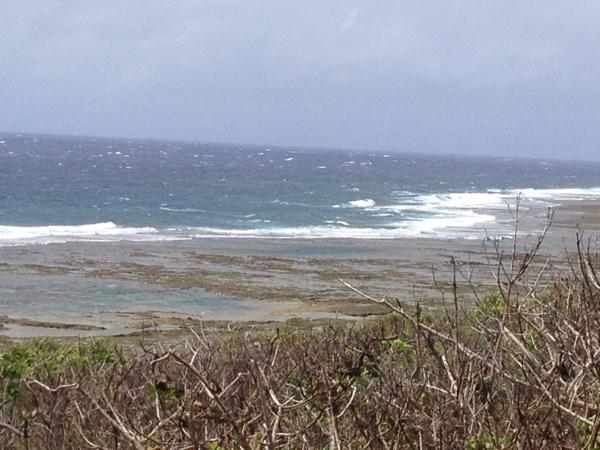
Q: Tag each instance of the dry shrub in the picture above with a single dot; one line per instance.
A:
(521, 369)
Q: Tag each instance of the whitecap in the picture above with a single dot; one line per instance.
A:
(105, 231)
(556, 195)
(185, 210)
(363, 203)
(417, 229)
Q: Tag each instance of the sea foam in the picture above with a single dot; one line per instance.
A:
(436, 215)
(363, 203)
(105, 231)
(555, 196)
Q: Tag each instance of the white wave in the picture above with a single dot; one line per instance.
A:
(309, 232)
(440, 202)
(435, 227)
(364, 203)
(187, 210)
(106, 231)
(449, 213)
(492, 199)
(431, 215)
(438, 227)
(556, 195)
(455, 222)
(279, 202)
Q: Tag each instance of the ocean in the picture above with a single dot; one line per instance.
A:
(61, 189)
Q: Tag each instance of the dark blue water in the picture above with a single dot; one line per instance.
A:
(123, 189)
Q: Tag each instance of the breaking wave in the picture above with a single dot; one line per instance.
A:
(409, 215)
(105, 231)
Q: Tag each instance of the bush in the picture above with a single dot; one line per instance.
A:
(42, 358)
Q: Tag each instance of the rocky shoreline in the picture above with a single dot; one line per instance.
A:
(256, 281)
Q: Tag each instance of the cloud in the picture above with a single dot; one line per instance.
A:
(466, 76)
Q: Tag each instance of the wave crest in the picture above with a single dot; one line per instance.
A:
(104, 231)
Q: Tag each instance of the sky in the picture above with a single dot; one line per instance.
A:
(471, 77)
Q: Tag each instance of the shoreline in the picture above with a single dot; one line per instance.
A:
(114, 288)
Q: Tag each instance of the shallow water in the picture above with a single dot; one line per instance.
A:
(111, 303)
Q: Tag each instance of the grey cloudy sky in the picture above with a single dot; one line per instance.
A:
(477, 77)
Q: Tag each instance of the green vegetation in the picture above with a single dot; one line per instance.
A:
(42, 358)
(492, 305)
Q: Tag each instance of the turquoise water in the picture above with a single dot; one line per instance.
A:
(83, 300)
